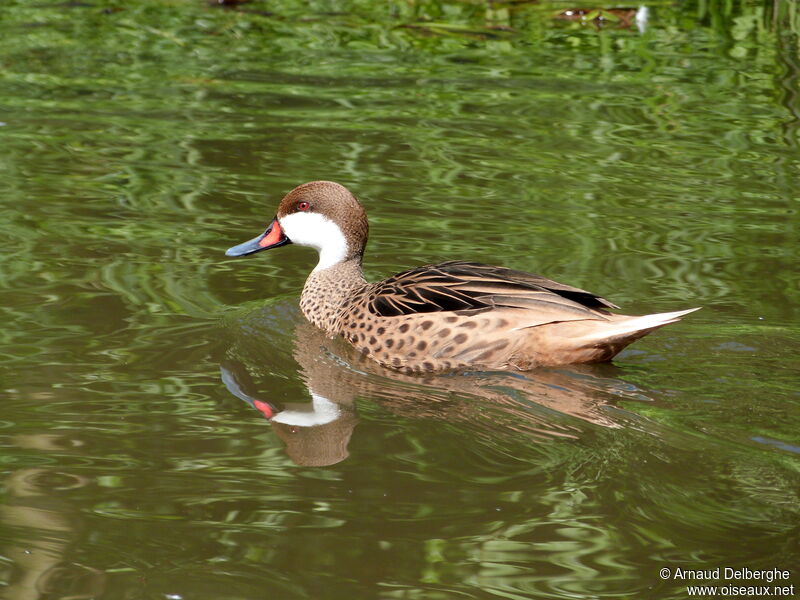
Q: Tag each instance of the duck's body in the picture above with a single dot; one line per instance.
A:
(438, 317)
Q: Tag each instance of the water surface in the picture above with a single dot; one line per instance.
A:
(658, 168)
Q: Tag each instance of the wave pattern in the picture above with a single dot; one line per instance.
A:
(657, 169)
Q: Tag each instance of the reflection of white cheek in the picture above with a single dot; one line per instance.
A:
(309, 414)
(317, 231)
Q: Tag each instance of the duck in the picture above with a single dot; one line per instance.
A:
(454, 315)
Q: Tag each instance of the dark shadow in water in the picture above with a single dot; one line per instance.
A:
(543, 404)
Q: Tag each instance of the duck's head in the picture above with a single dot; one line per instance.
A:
(320, 214)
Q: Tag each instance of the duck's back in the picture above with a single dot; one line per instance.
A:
(463, 315)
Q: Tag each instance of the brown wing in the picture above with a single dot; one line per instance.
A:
(466, 287)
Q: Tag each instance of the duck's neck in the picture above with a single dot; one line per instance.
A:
(327, 291)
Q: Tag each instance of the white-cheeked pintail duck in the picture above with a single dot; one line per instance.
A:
(452, 315)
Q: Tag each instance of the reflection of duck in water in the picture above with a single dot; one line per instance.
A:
(439, 317)
(316, 433)
(542, 404)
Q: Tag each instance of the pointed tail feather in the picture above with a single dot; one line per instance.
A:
(631, 326)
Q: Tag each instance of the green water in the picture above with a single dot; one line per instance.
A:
(658, 168)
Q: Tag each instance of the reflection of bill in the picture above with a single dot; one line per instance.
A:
(541, 404)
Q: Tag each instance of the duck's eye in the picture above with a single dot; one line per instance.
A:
(303, 206)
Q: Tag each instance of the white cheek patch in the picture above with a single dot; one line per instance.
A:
(317, 231)
(319, 412)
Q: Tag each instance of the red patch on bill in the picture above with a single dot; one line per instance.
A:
(264, 408)
(274, 236)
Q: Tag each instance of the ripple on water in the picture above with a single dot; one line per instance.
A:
(634, 165)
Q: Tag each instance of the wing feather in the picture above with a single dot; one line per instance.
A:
(466, 287)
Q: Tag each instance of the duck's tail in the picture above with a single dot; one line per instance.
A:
(587, 340)
(629, 329)
(605, 339)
